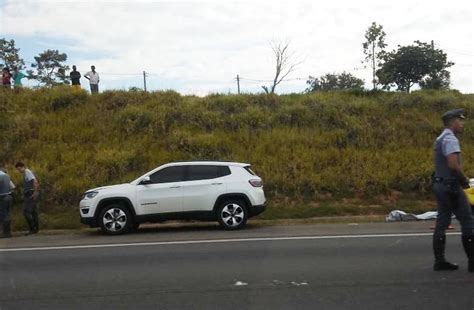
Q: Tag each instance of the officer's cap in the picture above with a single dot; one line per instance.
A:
(457, 113)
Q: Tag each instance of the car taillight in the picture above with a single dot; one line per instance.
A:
(256, 183)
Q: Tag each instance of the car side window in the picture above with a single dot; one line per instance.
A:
(206, 172)
(168, 175)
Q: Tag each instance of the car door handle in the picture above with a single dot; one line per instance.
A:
(175, 186)
(217, 183)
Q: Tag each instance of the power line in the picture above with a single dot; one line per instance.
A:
(121, 74)
(456, 50)
(268, 81)
(254, 80)
(459, 53)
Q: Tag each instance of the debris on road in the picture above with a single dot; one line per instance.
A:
(240, 283)
(398, 215)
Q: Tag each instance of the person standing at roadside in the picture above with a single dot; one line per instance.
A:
(6, 202)
(94, 80)
(6, 78)
(448, 183)
(31, 196)
(75, 79)
(17, 76)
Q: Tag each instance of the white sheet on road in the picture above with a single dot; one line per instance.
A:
(398, 215)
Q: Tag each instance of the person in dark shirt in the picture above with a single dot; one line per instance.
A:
(6, 78)
(75, 78)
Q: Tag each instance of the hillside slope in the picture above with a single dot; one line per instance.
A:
(305, 147)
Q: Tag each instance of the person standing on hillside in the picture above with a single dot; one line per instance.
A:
(94, 80)
(17, 77)
(6, 202)
(75, 79)
(31, 195)
(6, 78)
(448, 183)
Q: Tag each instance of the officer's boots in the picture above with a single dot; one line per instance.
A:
(6, 230)
(468, 243)
(439, 244)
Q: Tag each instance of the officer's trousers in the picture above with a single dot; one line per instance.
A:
(6, 203)
(452, 200)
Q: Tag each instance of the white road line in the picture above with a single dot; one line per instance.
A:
(209, 241)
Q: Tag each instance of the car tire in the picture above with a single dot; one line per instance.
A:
(232, 214)
(115, 219)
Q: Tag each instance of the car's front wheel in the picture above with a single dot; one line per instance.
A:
(232, 214)
(115, 219)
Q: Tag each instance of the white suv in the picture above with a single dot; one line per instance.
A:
(224, 191)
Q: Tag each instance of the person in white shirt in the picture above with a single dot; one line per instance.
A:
(94, 79)
(31, 193)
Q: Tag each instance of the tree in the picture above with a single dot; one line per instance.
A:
(439, 80)
(50, 69)
(9, 54)
(331, 81)
(374, 48)
(285, 64)
(414, 64)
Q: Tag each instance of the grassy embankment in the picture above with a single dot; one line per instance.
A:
(323, 154)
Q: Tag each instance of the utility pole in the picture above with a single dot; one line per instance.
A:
(238, 84)
(432, 44)
(374, 81)
(144, 80)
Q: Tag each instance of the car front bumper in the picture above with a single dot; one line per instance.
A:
(90, 221)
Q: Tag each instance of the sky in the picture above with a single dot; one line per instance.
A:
(199, 47)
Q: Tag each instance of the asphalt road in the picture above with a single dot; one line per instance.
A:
(366, 266)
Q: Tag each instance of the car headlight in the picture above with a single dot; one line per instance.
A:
(90, 195)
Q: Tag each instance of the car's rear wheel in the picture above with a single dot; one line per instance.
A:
(115, 219)
(232, 214)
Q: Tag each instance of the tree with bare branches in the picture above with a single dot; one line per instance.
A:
(374, 49)
(285, 64)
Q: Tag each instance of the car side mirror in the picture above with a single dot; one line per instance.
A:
(145, 180)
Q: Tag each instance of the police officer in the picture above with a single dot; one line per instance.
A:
(31, 195)
(448, 183)
(6, 202)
